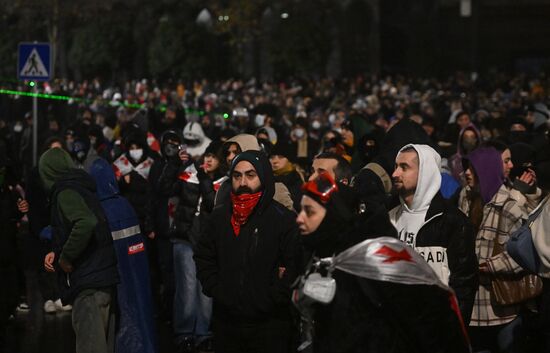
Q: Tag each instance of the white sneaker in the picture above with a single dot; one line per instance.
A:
(49, 307)
(59, 306)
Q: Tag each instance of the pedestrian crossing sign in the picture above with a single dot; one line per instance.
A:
(34, 61)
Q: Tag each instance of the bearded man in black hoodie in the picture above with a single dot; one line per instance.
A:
(246, 261)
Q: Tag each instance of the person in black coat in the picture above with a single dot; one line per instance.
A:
(246, 261)
(366, 315)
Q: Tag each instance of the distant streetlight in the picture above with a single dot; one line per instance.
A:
(284, 15)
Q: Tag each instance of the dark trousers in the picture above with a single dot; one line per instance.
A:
(270, 336)
(93, 322)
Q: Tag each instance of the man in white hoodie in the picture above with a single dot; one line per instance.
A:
(437, 230)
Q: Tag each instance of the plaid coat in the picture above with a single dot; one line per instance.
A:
(501, 216)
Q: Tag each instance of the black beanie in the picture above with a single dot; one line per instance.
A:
(260, 162)
(284, 149)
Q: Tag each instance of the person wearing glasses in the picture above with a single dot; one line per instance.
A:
(365, 315)
(246, 261)
(437, 230)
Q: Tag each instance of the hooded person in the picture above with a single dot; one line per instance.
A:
(195, 139)
(83, 154)
(246, 261)
(495, 212)
(434, 228)
(353, 132)
(268, 133)
(373, 181)
(83, 256)
(369, 308)
(135, 330)
(232, 148)
(469, 139)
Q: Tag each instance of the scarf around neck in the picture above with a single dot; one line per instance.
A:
(243, 205)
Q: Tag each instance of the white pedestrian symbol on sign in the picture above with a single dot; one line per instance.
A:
(34, 66)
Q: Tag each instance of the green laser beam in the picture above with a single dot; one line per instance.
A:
(38, 95)
(161, 108)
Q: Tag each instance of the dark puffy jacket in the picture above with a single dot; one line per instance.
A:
(448, 228)
(241, 273)
(138, 193)
(181, 180)
(96, 266)
(159, 200)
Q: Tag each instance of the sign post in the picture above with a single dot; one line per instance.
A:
(34, 64)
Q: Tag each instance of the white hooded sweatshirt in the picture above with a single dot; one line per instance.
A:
(408, 220)
(193, 131)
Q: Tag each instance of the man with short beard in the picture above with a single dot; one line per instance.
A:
(435, 229)
(246, 261)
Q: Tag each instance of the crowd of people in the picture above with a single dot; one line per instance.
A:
(230, 210)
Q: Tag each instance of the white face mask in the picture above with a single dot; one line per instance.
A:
(316, 125)
(136, 154)
(299, 133)
(332, 119)
(259, 120)
(18, 128)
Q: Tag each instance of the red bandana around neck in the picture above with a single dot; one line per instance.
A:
(243, 205)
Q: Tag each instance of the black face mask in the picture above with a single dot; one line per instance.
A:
(80, 156)
(190, 142)
(170, 150)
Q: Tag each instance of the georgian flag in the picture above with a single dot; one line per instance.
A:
(122, 166)
(189, 175)
(387, 259)
(390, 260)
(218, 183)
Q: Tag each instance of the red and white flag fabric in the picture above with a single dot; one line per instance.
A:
(189, 175)
(123, 166)
(218, 183)
(387, 259)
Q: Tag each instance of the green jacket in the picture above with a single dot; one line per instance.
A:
(53, 164)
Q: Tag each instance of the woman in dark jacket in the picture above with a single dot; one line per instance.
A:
(367, 315)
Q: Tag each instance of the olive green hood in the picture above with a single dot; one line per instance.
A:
(52, 165)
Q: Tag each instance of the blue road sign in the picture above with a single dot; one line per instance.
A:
(34, 61)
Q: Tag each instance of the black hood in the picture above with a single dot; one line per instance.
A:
(263, 168)
(401, 134)
(339, 219)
